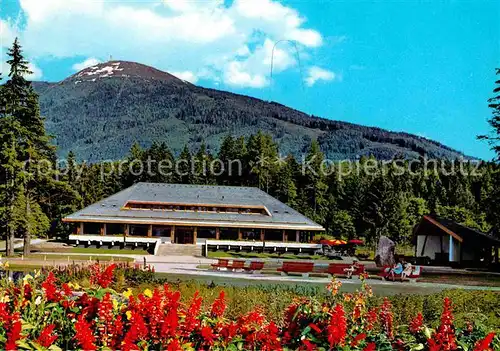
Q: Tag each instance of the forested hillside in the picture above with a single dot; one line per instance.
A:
(101, 111)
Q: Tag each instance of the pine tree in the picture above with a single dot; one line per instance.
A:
(262, 161)
(33, 148)
(184, 167)
(494, 121)
(11, 180)
(286, 190)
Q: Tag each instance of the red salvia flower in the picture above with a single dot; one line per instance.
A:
(207, 335)
(67, 290)
(191, 321)
(307, 345)
(46, 338)
(105, 321)
(357, 339)
(84, 335)
(444, 339)
(386, 318)
(371, 318)
(484, 344)
(174, 345)
(416, 324)
(50, 289)
(370, 347)
(13, 334)
(219, 305)
(337, 328)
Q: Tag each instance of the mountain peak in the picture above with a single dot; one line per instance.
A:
(122, 69)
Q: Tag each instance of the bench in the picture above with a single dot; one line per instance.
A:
(254, 266)
(236, 264)
(221, 263)
(297, 267)
(340, 269)
(415, 273)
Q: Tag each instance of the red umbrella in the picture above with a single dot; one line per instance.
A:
(356, 242)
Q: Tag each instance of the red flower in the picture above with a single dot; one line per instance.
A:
(67, 290)
(315, 328)
(484, 344)
(371, 318)
(416, 324)
(309, 346)
(28, 292)
(46, 338)
(191, 321)
(14, 334)
(208, 336)
(105, 323)
(100, 277)
(357, 339)
(174, 345)
(337, 328)
(444, 339)
(386, 318)
(50, 289)
(219, 306)
(84, 335)
(370, 347)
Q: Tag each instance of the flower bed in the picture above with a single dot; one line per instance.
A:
(42, 313)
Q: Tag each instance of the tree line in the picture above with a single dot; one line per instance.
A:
(366, 198)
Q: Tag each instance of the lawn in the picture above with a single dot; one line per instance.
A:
(69, 258)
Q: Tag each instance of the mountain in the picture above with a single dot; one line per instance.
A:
(102, 110)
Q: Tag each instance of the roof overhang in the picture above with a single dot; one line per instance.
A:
(443, 228)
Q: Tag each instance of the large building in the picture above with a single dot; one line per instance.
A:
(184, 214)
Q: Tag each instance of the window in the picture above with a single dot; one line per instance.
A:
(136, 205)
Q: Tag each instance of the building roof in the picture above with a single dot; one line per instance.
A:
(462, 233)
(111, 209)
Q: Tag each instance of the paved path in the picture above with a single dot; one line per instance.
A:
(188, 271)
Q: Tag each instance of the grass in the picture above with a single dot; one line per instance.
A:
(108, 251)
(90, 250)
(69, 258)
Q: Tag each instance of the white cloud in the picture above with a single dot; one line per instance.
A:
(7, 34)
(229, 42)
(316, 73)
(188, 76)
(237, 75)
(36, 72)
(91, 61)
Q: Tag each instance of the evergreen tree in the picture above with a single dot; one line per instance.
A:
(262, 160)
(285, 188)
(184, 169)
(494, 121)
(11, 180)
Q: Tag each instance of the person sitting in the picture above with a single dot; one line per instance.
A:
(396, 270)
(407, 271)
(351, 269)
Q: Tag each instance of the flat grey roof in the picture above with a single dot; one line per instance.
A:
(110, 210)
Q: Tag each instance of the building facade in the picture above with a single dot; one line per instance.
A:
(186, 214)
(446, 242)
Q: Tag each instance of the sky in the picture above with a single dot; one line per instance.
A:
(422, 67)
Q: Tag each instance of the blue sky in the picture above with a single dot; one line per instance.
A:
(421, 67)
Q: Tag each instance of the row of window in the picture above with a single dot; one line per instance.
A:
(194, 208)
